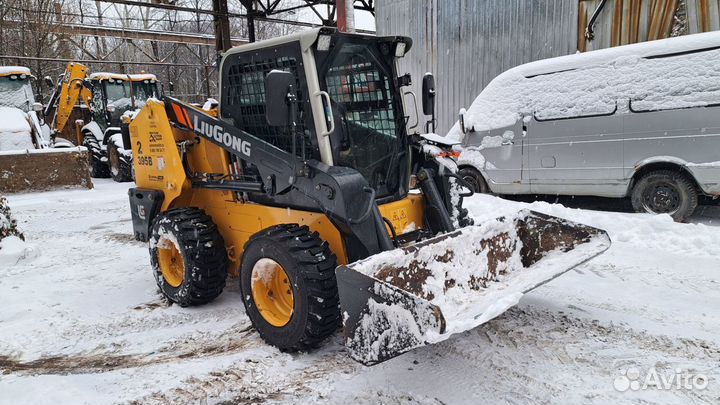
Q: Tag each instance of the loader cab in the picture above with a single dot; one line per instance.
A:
(143, 86)
(349, 107)
(111, 98)
(114, 94)
(16, 88)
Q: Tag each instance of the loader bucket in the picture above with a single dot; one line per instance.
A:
(44, 169)
(421, 294)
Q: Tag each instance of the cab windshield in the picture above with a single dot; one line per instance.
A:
(118, 93)
(369, 125)
(144, 90)
(16, 91)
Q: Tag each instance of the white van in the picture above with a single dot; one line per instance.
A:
(639, 121)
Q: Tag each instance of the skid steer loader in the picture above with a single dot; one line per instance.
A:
(309, 190)
(87, 109)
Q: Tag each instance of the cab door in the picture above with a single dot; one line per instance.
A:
(99, 112)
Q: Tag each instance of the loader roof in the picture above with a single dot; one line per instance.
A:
(14, 70)
(306, 38)
(121, 76)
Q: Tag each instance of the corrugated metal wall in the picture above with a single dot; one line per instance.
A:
(623, 22)
(466, 43)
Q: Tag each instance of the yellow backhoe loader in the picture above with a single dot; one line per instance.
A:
(87, 109)
(307, 188)
(29, 159)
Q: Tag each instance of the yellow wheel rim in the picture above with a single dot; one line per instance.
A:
(171, 263)
(272, 292)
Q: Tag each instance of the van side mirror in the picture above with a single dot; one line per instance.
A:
(428, 94)
(280, 99)
(49, 82)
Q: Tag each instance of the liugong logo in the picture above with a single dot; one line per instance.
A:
(218, 133)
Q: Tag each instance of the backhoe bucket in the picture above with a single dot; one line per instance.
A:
(421, 294)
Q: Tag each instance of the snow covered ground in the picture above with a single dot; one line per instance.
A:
(82, 322)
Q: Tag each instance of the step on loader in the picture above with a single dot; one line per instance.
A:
(308, 189)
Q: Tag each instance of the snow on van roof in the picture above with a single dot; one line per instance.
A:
(9, 70)
(669, 73)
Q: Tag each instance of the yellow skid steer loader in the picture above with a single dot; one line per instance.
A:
(307, 188)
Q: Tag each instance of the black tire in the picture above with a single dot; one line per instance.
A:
(665, 192)
(98, 165)
(120, 166)
(473, 177)
(310, 268)
(203, 253)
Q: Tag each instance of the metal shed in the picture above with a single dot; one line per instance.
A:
(466, 43)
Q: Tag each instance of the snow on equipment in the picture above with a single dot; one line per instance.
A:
(87, 108)
(307, 187)
(29, 158)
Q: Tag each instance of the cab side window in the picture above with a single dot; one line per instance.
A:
(244, 100)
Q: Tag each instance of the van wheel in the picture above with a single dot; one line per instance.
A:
(120, 166)
(665, 192)
(473, 177)
(188, 256)
(98, 159)
(287, 279)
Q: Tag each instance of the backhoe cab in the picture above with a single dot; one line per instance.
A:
(308, 189)
(87, 108)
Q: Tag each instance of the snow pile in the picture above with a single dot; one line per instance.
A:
(12, 242)
(597, 82)
(13, 250)
(210, 104)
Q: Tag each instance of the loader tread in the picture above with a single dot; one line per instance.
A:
(204, 255)
(314, 269)
(122, 171)
(99, 168)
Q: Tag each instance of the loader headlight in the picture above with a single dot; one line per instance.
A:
(324, 43)
(400, 49)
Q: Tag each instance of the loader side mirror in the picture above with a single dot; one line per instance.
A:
(171, 87)
(280, 98)
(49, 82)
(428, 94)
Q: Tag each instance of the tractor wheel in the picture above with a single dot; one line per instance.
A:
(287, 278)
(119, 164)
(98, 160)
(665, 192)
(188, 256)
